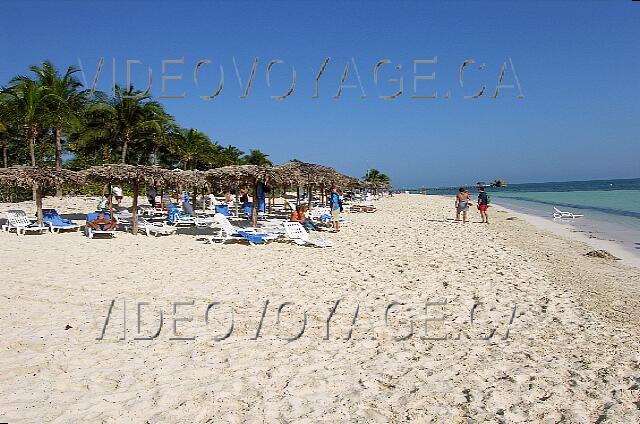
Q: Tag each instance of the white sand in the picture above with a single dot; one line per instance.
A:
(571, 353)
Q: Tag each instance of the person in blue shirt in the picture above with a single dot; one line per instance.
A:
(336, 207)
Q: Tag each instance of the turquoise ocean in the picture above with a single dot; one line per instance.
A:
(611, 208)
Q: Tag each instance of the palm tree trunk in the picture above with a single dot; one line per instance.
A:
(56, 136)
(32, 148)
(125, 145)
(32, 152)
(38, 197)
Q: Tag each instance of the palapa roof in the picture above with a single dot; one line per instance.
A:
(236, 175)
(193, 178)
(141, 174)
(311, 173)
(26, 176)
(292, 173)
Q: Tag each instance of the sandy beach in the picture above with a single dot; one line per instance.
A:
(553, 336)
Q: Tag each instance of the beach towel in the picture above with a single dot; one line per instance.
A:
(247, 207)
(253, 237)
(51, 217)
(223, 209)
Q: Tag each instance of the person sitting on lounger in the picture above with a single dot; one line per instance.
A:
(101, 223)
(307, 223)
(297, 215)
(300, 215)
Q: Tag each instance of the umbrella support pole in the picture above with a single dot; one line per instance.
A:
(134, 209)
(254, 207)
(38, 198)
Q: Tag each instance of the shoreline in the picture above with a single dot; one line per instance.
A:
(568, 231)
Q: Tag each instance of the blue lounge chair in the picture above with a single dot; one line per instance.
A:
(175, 217)
(57, 223)
(229, 232)
(90, 232)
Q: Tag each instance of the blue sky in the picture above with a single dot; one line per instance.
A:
(577, 64)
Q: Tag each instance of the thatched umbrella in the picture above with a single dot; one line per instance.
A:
(195, 179)
(134, 175)
(311, 174)
(37, 178)
(228, 177)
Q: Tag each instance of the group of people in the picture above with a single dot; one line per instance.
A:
(463, 202)
(302, 215)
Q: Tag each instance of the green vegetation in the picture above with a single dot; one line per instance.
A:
(375, 176)
(47, 116)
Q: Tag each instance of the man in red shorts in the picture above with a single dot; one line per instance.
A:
(483, 204)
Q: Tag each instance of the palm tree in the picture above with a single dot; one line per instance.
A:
(4, 129)
(128, 118)
(231, 155)
(193, 147)
(26, 106)
(162, 142)
(376, 177)
(256, 157)
(65, 102)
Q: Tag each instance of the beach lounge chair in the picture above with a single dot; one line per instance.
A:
(17, 220)
(90, 232)
(123, 216)
(296, 233)
(147, 210)
(155, 228)
(229, 232)
(558, 214)
(177, 218)
(56, 223)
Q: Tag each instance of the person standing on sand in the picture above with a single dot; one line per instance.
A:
(462, 204)
(483, 204)
(336, 207)
(151, 196)
(117, 191)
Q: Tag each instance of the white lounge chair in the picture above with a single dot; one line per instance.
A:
(90, 232)
(558, 214)
(229, 232)
(123, 217)
(155, 228)
(17, 220)
(296, 232)
(147, 210)
(316, 213)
